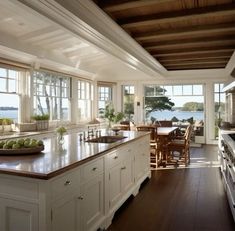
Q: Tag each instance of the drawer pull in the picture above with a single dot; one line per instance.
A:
(80, 198)
(115, 157)
(123, 168)
(67, 182)
(94, 168)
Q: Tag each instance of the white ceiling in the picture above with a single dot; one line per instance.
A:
(29, 36)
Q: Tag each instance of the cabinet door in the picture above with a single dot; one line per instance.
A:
(145, 157)
(138, 166)
(92, 204)
(127, 179)
(114, 186)
(18, 216)
(65, 214)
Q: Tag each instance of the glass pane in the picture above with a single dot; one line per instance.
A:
(64, 109)
(187, 90)
(177, 90)
(41, 105)
(9, 107)
(197, 90)
(12, 74)
(149, 91)
(12, 86)
(168, 90)
(3, 72)
(216, 87)
(2, 85)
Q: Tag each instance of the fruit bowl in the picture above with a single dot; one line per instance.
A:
(22, 151)
(21, 146)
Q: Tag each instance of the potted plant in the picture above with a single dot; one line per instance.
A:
(5, 124)
(42, 121)
(111, 115)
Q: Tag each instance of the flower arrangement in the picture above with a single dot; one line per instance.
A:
(111, 115)
(61, 130)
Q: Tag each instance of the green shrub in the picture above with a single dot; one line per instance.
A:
(41, 117)
(6, 121)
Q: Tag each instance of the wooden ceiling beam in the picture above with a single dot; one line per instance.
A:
(208, 38)
(192, 59)
(222, 61)
(192, 51)
(181, 32)
(200, 45)
(195, 66)
(113, 6)
(194, 56)
(174, 17)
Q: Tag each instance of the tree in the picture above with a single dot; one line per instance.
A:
(157, 103)
(155, 99)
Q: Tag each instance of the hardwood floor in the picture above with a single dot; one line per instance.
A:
(182, 199)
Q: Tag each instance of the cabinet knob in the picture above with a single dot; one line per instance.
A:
(94, 168)
(115, 157)
(123, 168)
(80, 198)
(67, 182)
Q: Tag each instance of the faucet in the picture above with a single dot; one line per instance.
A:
(90, 132)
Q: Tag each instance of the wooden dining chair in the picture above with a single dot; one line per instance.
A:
(180, 148)
(125, 125)
(154, 145)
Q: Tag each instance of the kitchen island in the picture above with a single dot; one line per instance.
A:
(75, 186)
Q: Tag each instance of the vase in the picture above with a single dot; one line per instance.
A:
(60, 139)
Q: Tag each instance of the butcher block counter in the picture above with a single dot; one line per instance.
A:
(78, 185)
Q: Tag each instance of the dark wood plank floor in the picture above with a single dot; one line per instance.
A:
(179, 199)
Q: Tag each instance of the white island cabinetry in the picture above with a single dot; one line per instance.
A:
(83, 198)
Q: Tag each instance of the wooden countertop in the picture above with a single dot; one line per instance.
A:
(55, 160)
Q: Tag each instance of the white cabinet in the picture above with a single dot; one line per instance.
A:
(142, 158)
(80, 203)
(65, 214)
(18, 216)
(92, 203)
(119, 177)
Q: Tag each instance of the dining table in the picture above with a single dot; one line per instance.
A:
(164, 136)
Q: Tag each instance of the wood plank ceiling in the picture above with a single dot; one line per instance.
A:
(180, 34)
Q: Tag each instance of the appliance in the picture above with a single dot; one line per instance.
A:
(227, 166)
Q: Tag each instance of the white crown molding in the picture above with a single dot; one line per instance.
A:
(89, 23)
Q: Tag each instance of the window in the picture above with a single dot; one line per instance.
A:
(182, 104)
(9, 90)
(219, 105)
(104, 96)
(85, 99)
(51, 94)
(128, 101)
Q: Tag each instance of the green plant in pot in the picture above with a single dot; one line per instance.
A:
(42, 121)
(41, 117)
(111, 115)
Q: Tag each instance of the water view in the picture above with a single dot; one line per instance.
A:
(180, 115)
(13, 114)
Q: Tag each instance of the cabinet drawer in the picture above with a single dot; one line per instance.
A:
(91, 169)
(18, 188)
(117, 156)
(66, 183)
(113, 158)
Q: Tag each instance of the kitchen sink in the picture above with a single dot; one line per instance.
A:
(106, 139)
